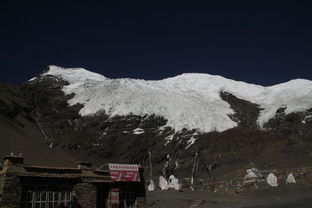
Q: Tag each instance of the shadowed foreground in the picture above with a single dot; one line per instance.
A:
(294, 196)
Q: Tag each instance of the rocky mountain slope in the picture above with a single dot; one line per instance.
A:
(20, 134)
(87, 116)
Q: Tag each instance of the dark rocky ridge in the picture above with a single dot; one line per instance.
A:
(13, 102)
(285, 142)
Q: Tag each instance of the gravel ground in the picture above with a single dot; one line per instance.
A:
(286, 196)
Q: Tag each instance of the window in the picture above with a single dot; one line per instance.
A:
(45, 196)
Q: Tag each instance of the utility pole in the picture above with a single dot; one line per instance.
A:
(150, 163)
(193, 171)
(151, 186)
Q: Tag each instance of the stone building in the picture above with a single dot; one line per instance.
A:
(24, 186)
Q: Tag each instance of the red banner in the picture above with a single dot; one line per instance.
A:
(124, 172)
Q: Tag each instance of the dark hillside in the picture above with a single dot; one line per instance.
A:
(37, 121)
(20, 133)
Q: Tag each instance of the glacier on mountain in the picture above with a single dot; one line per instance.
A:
(190, 101)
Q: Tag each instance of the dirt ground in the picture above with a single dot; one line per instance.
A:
(294, 196)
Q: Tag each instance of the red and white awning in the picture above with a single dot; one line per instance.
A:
(124, 172)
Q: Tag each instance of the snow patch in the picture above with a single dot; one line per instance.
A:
(190, 142)
(168, 139)
(138, 131)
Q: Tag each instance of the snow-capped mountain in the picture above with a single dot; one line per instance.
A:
(190, 101)
(78, 114)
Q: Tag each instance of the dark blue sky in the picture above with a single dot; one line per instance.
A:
(258, 41)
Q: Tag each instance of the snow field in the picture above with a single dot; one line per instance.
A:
(189, 101)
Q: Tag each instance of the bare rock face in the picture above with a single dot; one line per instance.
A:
(285, 141)
(246, 113)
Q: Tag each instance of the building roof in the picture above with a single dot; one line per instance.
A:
(13, 165)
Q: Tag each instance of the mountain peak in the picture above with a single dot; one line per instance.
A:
(74, 74)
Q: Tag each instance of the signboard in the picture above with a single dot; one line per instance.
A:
(114, 196)
(124, 172)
